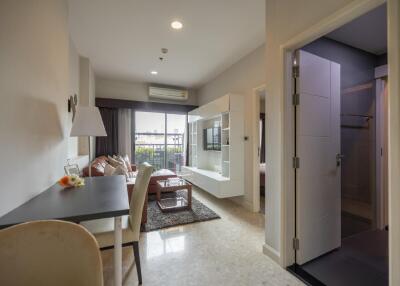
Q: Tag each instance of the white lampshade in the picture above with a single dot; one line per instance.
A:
(88, 122)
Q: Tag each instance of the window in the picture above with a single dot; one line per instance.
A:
(160, 139)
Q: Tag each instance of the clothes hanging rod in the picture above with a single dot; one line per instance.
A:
(358, 115)
(354, 127)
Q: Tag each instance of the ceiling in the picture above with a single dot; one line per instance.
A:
(367, 32)
(123, 38)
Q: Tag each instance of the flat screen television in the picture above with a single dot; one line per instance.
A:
(212, 139)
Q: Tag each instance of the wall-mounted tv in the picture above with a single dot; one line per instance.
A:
(212, 139)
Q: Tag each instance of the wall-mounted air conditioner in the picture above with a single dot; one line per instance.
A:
(168, 93)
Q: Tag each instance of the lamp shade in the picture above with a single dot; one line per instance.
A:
(88, 122)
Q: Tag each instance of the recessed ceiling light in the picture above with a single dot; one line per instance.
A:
(154, 72)
(176, 25)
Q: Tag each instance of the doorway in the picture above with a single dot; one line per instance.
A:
(259, 158)
(339, 159)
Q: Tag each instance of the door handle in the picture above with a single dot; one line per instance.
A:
(339, 158)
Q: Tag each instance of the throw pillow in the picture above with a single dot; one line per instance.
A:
(116, 163)
(127, 162)
(120, 171)
(108, 170)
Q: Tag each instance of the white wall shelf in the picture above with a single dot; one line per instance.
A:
(219, 172)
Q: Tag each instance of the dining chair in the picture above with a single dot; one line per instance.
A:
(48, 253)
(103, 229)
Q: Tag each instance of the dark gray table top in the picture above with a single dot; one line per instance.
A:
(101, 197)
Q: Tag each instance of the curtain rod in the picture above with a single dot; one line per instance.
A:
(144, 105)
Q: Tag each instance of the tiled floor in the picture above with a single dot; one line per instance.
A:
(225, 251)
(362, 260)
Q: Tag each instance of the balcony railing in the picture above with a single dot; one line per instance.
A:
(155, 154)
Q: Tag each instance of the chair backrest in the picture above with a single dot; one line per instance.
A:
(138, 197)
(44, 253)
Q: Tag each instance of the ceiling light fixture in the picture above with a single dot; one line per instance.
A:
(154, 72)
(176, 25)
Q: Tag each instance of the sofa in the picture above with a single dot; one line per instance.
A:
(98, 165)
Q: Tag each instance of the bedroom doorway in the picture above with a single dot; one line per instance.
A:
(259, 149)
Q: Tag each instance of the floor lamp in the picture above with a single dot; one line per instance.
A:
(88, 123)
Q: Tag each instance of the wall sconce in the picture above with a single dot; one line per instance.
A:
(72, 103)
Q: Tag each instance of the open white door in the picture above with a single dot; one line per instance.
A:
(318, 189)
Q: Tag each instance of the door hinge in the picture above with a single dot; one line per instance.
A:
(296, 162)
(296, 71)
(296, 99)
(296, 243)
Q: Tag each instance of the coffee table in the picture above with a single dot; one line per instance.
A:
(177, 203)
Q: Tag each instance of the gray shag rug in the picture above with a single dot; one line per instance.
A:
(156, 219)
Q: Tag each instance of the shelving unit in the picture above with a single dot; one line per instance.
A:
(225, 123)
(193, 143)
(213, 170)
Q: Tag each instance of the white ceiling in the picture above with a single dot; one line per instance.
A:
(123, 38)
(367, 32)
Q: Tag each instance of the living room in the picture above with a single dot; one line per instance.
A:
(74, 73)
(108, 181)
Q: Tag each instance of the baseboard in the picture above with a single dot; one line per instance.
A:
(241, 201)
(272, 253)
(304, 276)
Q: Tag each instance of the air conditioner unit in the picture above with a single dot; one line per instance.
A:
(167, 93)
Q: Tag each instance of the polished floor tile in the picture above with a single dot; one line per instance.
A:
(362, 260)
(226, 251)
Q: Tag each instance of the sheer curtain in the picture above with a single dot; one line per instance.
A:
(124, 132)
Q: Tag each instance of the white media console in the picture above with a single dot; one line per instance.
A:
(221, 171)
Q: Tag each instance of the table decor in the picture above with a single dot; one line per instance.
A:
(71, 181)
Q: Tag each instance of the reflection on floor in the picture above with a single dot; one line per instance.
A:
(227, 251)
(362, 260)
(357, 208)
(352, 224)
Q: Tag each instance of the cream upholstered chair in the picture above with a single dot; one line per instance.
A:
(103, 229)
(48, 253)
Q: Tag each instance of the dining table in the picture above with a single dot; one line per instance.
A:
(98, 198)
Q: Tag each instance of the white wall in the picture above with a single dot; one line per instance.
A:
(73, 89)
(86, 82)
(394, 139)
(117, 89)
(86, 98)
(34, 88)
(240, 78)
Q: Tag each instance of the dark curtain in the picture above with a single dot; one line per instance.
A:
(108, 145)
(262, 147)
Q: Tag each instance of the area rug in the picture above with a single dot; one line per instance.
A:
(156, 219)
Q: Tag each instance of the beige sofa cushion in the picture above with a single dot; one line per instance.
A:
(116, 162)
(108, 170)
